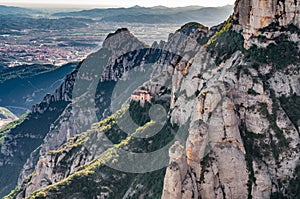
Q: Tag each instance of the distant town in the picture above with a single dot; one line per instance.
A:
(57, 47)
(29, 36)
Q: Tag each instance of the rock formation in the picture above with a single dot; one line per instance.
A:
(234, 105)
(255, 15)
(229, 133)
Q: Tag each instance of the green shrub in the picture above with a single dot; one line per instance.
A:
(280, 54)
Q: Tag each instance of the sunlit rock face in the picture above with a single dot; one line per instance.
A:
(226, 148)
(255, 15)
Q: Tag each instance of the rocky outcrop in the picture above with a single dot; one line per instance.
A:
(51, 167)
(176, 172)
(213, 132)
(230, 129)
(253, 16)
(225, 130)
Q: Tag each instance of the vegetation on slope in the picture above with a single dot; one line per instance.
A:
(225, 42)
(27, 136)
(89, 180)
(278, 55)
(281, 53)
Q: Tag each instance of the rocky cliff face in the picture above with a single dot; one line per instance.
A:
(239, 144)
(237, 107)
(253, 16)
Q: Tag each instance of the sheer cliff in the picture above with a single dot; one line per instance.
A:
(254, 16)
(230, 96)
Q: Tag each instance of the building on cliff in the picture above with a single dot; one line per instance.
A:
(142, 96)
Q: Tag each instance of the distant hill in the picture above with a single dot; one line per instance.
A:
(23, 86)
(17, 18)
(108, 12)
(208, 16)
(158, 14)
(11, 10)
(16, 22)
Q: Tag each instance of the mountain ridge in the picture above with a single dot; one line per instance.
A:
(207, 15)
(233, 102)
(13, 10)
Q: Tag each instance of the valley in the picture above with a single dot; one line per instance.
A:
(39, 37)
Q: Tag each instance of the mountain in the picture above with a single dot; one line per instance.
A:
(214, 114)
(106, 12)
(100, 13)
(23, 86)
(208, 16)
(57, 109)
(156, 15)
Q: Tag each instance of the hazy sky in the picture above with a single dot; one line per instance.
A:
(123, 3)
